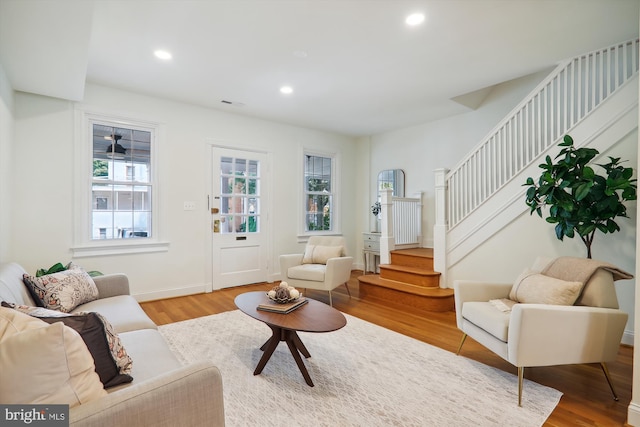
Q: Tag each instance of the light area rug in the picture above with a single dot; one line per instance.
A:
(364, 375)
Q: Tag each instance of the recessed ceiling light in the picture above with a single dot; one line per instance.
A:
(286, 90)
(162, 54)
(300, 54)
(415, 19)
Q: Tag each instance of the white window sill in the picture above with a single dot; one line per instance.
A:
(304, 238)
(119, 247)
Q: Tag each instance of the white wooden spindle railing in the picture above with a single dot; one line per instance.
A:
(401, 219)
(556, 105)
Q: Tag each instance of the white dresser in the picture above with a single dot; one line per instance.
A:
(371, 251)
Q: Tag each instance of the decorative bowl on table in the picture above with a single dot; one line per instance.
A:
(283, 293)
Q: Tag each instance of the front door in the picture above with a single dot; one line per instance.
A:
(239, 223)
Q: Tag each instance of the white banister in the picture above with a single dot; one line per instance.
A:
(440, 227)
(401, 221)
(387, 241)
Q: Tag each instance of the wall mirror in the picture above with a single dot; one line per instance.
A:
(391, 179)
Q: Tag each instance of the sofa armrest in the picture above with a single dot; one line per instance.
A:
(475, 290)
(288, 261)
(111, 285)
(545, 335)
(339, 269)
(188, 396)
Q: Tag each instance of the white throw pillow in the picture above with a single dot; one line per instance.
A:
(318, 254)
(536, 288)
(44, 364)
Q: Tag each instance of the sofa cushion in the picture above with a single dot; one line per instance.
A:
(122, 311)
(65, 375)
(536, 288)
(149, 346)
(112, 362)
(311, 272)
(318, 254)
(488, 317)
(62, 291)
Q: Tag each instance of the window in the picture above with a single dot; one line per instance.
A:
(121, 182)
(318, 193)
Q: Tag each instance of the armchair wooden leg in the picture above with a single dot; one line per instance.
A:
(330, 300)
(346, 285)
(520, 381)
(606, 374)
(464, 337)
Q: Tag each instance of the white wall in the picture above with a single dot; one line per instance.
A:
(43, 211)
(6, 140)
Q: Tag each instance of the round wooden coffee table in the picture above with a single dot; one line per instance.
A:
(313, 316)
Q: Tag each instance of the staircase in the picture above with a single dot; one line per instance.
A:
(593, 97)
(408, 281)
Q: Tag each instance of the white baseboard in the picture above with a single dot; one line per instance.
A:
(633, 414)
(171, 293)
(627, 338)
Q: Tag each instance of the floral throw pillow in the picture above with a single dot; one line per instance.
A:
(62, 291)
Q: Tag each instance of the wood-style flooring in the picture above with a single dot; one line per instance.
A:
(586, 400)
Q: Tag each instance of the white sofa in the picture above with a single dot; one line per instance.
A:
(163, 392)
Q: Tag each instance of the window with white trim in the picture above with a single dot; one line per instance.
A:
(121, 181)
(319, 192)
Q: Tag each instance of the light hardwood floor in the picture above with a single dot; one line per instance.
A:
(586, 400)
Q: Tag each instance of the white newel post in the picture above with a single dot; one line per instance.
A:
(387, 241)
(440, 227)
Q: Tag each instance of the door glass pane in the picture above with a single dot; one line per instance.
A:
(240, 196)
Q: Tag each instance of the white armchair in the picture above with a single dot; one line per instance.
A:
(560, 312)
(323, 266)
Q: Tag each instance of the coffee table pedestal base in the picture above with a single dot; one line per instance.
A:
(295, 347)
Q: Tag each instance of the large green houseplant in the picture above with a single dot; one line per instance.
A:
(580, 201)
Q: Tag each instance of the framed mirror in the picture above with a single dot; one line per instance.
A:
(393, 179)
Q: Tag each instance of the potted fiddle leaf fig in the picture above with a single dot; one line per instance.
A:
(579, 200)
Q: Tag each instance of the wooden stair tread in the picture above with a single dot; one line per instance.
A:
(416, 252)
(432, 292)
(413, 270)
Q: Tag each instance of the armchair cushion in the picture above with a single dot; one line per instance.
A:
(311, 272)
(535, 288)
(318, 254)
(487, 316)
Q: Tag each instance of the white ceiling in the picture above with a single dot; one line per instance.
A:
(365, 71)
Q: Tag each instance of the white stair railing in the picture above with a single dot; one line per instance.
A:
(401, 219)
(557, 104)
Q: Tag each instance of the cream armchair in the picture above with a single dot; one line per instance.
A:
(323, 266)
(562, 311)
